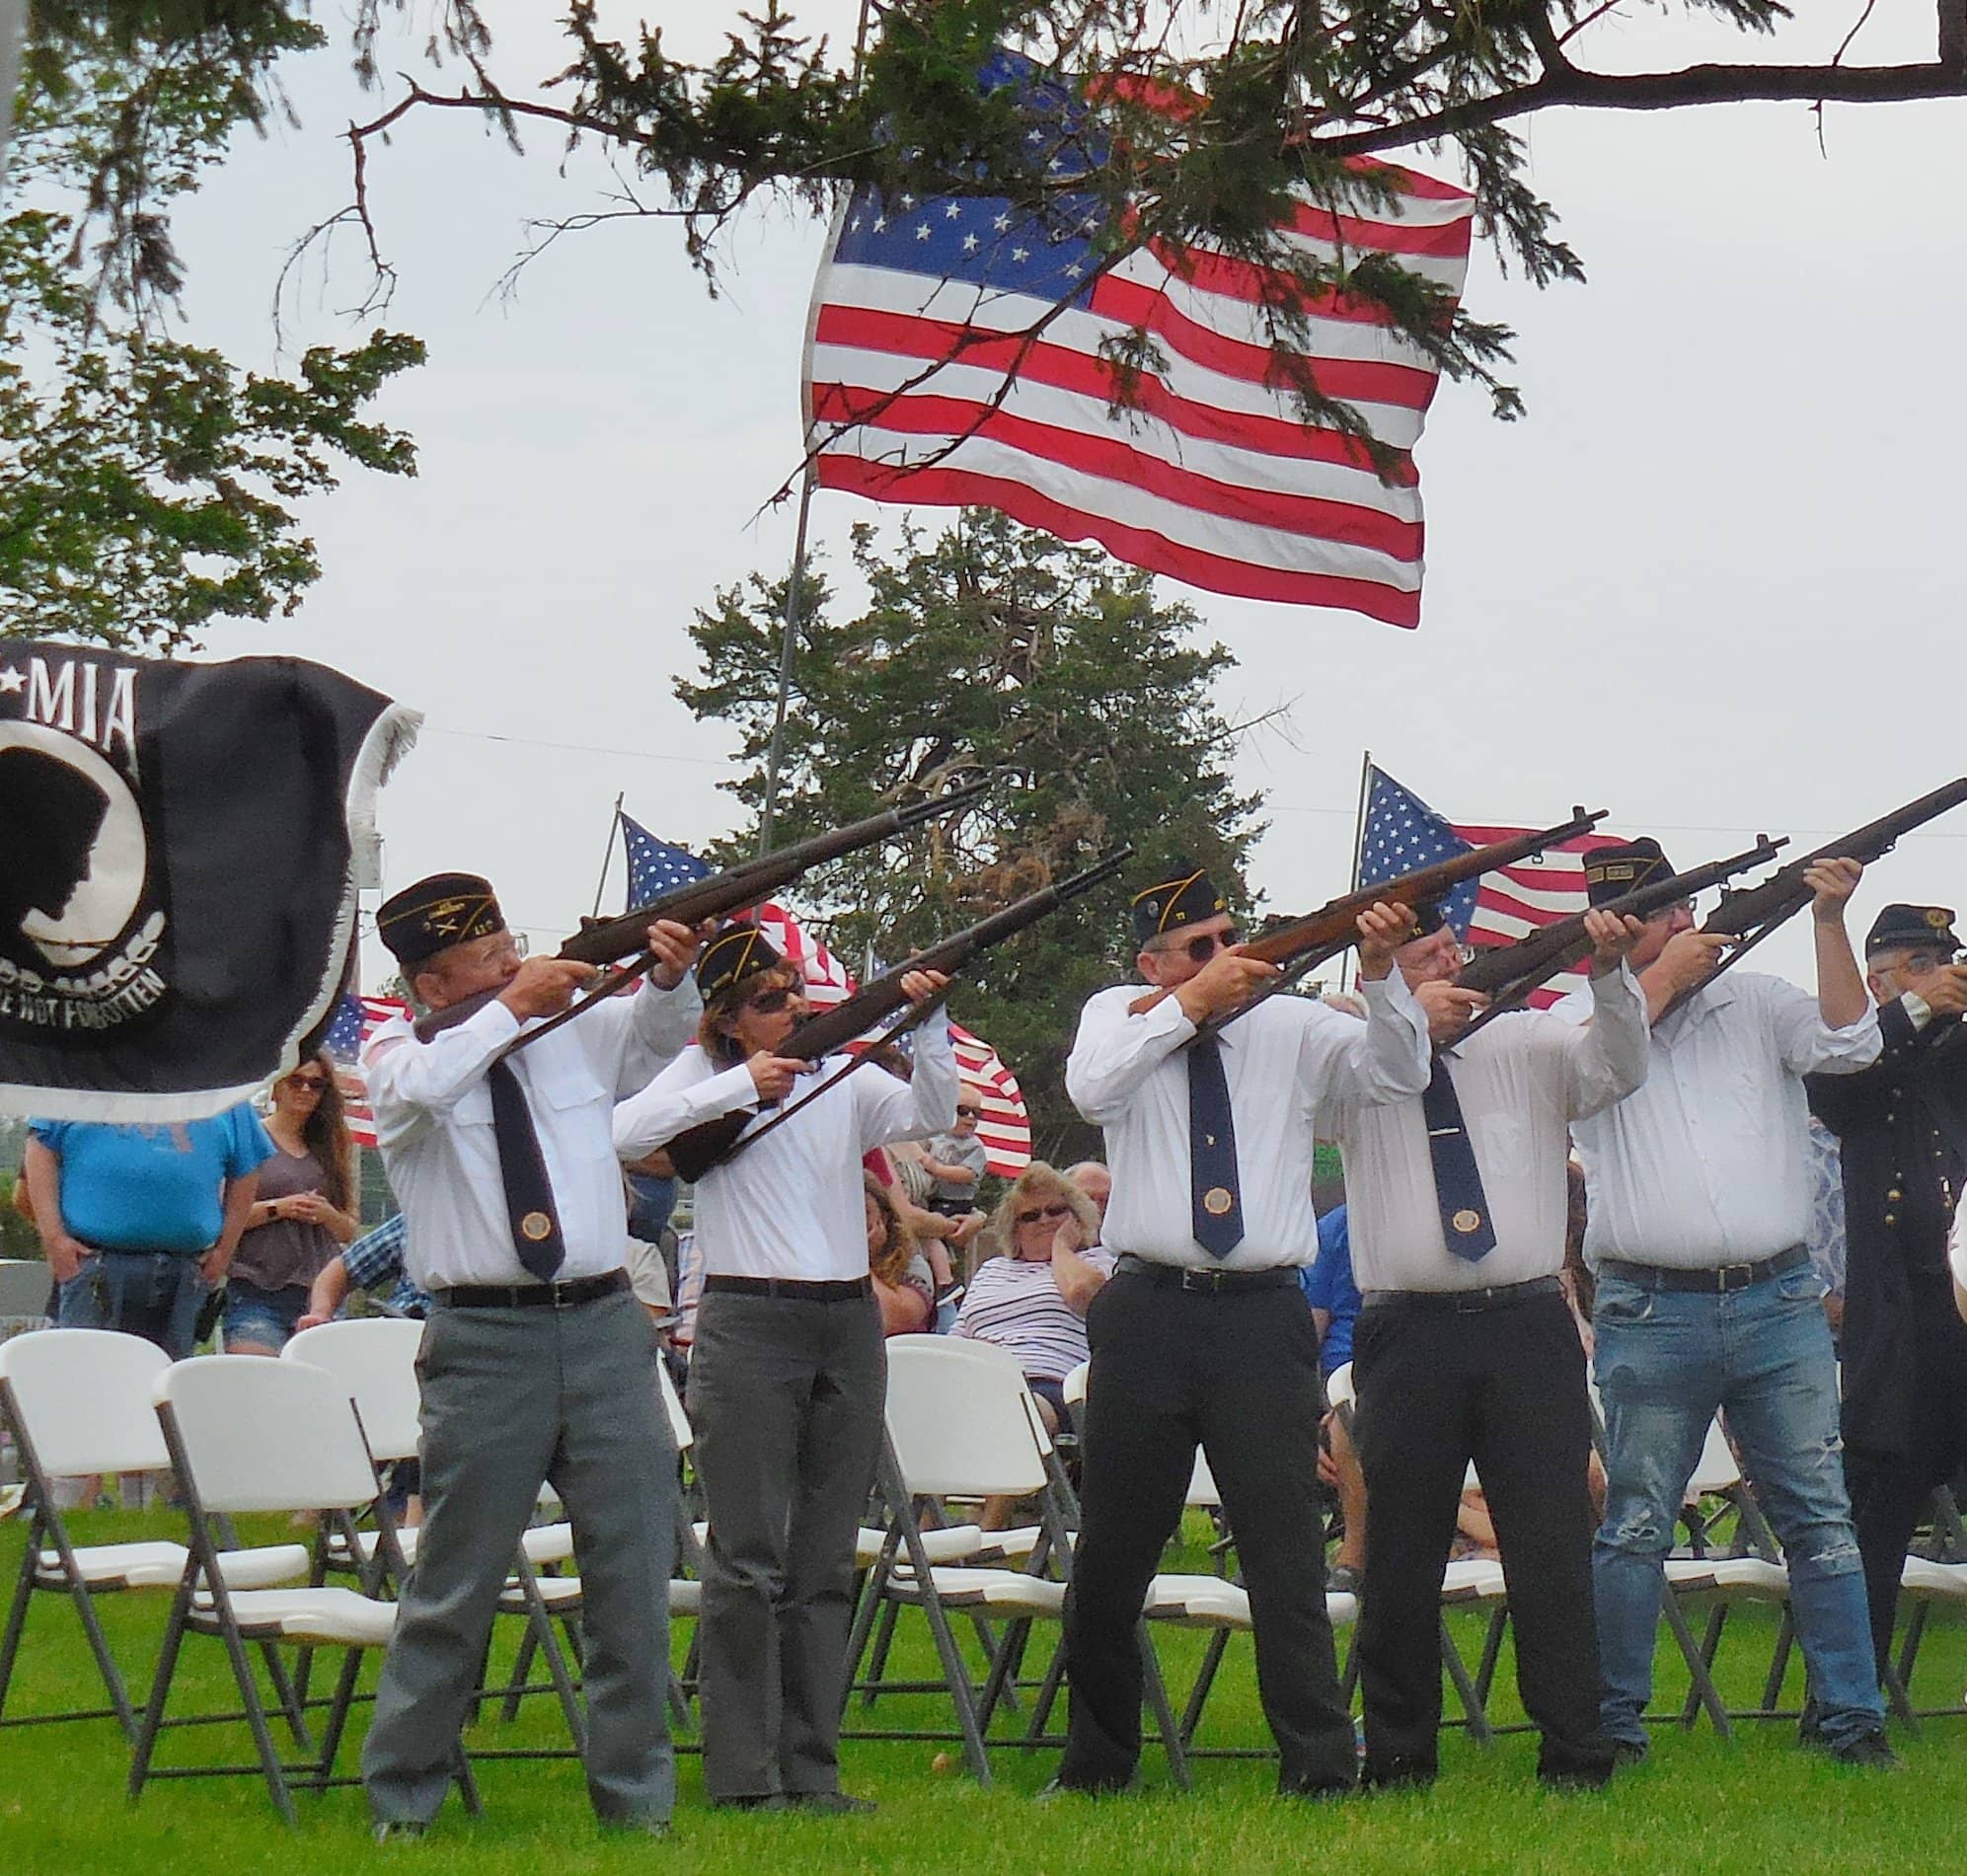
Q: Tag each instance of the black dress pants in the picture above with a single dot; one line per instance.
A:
(1235, 1371)
(1503, 1386)
(1889, 1491)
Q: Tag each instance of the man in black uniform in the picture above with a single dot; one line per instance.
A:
(1903, 1125)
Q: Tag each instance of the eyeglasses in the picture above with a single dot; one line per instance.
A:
(1045, 1211)
(768, 1003)
(313, 1083)
(969, 1113)
(1669, 911)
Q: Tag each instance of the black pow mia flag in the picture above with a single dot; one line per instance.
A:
(176, 897)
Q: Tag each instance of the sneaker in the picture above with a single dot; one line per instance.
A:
(1057, 1789)
(753, 1801)
(1631, 1752)
(1871, 1751)
(398, 1831)
(832, 1804)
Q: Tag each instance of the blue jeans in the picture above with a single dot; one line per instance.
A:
(1666, 1360)
(152, 1294)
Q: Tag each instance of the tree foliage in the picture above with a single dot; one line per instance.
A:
(147, 485)
(990, 648)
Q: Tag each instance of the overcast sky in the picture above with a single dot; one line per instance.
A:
(1711, 582)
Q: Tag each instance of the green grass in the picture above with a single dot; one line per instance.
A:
(1758, 1804)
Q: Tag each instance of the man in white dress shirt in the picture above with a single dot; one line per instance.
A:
(1699, 1202)
(536, 1361)
(1464, 1349)
(1203, 1334)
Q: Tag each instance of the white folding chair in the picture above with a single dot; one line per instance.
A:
(77, 1402)
(250, 1435)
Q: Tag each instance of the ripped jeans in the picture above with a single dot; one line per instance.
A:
(1665, 1361)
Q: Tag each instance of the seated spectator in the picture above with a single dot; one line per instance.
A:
(373, 1262)
(1093, 1179)
(1032, 1299)
(302, 1215)
(903, 1283)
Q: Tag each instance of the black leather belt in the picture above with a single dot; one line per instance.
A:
(841, 1290)
(1462, 1302)
(1715, 1280)
(1211, 1282)
(531, 1296)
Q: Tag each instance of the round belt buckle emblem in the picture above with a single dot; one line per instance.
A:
(1467, 1219)
(537, 1226)
(1217, 1200)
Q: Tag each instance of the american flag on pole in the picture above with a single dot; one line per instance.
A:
(923, 309)
(1006, 1126)
(1402, 832)
(655, 868)
(354, 1020)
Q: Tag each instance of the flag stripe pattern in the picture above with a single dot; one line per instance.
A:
(356, 1018)
(1402, 832)
(927, 383)
(655, 868)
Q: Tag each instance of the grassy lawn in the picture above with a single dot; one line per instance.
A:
(1758, 1804)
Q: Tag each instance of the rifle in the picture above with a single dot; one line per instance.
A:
(1510, 972)
(1750, 914)
(1302, 944)
(710, 1142)
(603, 940)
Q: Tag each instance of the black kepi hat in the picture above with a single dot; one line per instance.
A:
(738, 951)
(1611, 872)
(446, 909)
(1904, 927)
(1184, 897)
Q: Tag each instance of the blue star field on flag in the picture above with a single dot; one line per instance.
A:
(1402, 833)
(656, 866)
(343, 1038)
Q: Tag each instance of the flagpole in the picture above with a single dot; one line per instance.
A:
(1359, 821)
(774, 752)
(608, 854)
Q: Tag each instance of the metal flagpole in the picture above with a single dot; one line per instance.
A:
(607, 853)
(774, 753)
(1359, 823)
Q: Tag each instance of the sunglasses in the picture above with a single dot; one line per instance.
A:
(1201, 949)
(969, 1113)
(771, 1001)
(1043, 1211)
(314, 1084)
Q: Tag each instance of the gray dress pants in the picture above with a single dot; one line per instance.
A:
(787, 1396)
(513, 1397)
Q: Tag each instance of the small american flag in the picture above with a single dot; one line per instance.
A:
(1006, 1126)
(349, 1030)
(1402, 833)
(923, 381)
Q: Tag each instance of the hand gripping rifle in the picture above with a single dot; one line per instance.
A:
(604, 940)
(1510, 972)
(710, 1142)
(1750, 914)
(1300, 945)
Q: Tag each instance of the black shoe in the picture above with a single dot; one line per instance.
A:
(636, 1826)
(753, 1801)
(1396, 1775)
(1343, 1579)
(1871, 1751)
(1810, 1725)
(1319, 1790)
(1057, 1788)
(1573, 1779)
(832, 1804)
(398, 1831)
(1631, 1752)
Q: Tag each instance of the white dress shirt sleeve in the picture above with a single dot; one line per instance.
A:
(1608, 1058)
(1348, 1064)
(1115, 1051)
(926, 1104)
(688, 1092)
(413, 1083)
(1807, 1043)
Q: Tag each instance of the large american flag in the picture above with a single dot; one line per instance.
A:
(1212, 478)
(1402, 832)
(655, 868)
(349, 1030)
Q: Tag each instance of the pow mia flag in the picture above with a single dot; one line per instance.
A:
(176, 897)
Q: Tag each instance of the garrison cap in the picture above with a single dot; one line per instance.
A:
(1902, 928)
(738, 951)
(446, 909)
(1184, 897)
(1611, 872)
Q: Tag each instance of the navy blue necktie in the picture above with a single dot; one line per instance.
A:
(1458, 1180)
(522, 1170)
(1215, 1198)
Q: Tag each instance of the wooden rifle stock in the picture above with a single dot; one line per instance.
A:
(603, 940)
(1301, 945)
(1510, 972)
(696, 1150)
(1750, 914)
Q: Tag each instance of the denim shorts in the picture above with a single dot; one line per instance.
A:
(263, 1316)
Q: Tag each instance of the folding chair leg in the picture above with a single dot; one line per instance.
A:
(338, 1717)
(1778, 1660)
(1909, 1651)
(1486, 1668)
(1898, 1698)
(878, 1664)
(17, 1613)
(522, 1672)
(1472, 1711)
(541, 1624)
(1704, 1682)
(255, 1718)
(1048, 1692)
(1710, 1647)
(283, 1686)
(105, 1663)
(679, 1705)
(956, 1671)
(160, 1689)
(1163, 1712)
(1205, 1679)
